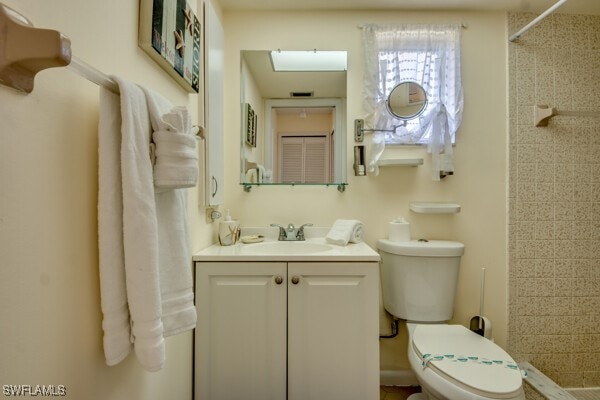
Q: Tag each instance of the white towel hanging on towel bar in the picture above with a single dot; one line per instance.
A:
(145, 269)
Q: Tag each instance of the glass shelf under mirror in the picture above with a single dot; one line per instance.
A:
(341, 187)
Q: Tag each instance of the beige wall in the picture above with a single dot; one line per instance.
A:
(554, 231)
(50, 323)
(480, 183)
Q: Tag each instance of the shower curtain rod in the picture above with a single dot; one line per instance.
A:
(536, 21)
(462, 25)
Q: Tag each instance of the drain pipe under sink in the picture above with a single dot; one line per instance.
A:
(394, 330)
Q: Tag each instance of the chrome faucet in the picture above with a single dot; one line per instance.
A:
(291, 233)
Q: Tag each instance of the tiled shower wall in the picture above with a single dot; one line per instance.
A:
(554, 199)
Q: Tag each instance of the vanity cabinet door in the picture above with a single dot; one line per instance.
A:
(240, 341)
(333, 337)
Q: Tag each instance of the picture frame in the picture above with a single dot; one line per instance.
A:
(251, 123)
(254, 130)
(170, 33)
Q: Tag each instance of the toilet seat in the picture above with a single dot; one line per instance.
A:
(467, 360)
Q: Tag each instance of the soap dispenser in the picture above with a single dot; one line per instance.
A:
(229, 230)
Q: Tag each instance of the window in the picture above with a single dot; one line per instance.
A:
(416, 131)
(425, 54)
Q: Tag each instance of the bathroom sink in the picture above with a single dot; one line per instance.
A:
(314, 249)
(286, 248)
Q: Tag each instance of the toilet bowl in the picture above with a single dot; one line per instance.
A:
(454, 363)
(419, 280)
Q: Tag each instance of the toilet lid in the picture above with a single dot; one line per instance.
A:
(467, 358)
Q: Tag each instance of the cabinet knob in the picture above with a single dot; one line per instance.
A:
(295, 280)
(279, 279)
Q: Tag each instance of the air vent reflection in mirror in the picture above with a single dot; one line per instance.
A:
(302, 94)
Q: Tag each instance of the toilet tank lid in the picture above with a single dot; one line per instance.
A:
(431, 248)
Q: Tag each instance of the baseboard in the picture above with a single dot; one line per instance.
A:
(404, 377)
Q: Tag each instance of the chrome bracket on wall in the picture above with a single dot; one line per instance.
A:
(359, 129)
(359, 134)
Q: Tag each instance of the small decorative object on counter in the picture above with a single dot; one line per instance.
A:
(252, 239)
(229, 231)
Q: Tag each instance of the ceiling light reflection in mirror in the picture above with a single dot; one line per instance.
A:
(307, 61)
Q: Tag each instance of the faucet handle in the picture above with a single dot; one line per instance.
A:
(282, 234)
(300, 232)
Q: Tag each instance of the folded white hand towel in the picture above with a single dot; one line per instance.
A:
(344, 231)
(176, 165)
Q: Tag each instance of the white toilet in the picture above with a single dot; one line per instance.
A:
(450, 361)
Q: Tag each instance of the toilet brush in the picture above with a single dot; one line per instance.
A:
(480, 324)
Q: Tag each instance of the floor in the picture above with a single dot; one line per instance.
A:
(402, 393)
(397, 392)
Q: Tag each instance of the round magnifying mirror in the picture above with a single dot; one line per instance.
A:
(407, 100)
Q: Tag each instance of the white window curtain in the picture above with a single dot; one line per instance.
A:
(430, 56)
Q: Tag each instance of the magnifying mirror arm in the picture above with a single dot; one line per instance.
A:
(359, 129)
(394, 128)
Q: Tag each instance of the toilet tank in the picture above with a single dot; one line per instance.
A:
(418, 278)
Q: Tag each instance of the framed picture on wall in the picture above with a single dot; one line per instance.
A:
(169, 32)
(250, 121)
(254, 129)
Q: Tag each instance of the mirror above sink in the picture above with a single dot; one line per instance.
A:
(292, 122)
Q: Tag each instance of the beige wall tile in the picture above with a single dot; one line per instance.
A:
(556, 200)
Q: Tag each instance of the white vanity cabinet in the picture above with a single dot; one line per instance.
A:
(287, 330)
(240, 344)
(333, 336)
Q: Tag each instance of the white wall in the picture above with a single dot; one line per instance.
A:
(50, 321)
(480, 181)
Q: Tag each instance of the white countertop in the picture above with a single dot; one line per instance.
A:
(353, 252)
